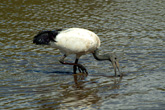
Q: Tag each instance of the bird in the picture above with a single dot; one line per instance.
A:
(78, 41)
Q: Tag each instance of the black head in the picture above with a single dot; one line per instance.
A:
(115, 62)
(111, 57)
(44, 37)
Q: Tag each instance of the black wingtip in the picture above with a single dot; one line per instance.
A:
(44, 37)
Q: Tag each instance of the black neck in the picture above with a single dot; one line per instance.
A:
(100, 57)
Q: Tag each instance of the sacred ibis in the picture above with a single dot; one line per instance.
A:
(76, 41)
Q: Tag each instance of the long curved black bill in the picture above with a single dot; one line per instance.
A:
(115, 64)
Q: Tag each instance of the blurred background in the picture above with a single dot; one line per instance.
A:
(32, 78)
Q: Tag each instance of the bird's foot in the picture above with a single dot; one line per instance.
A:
(82, 69)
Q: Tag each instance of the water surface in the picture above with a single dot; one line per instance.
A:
(32, 78)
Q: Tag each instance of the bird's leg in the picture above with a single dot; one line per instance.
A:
(81, 68)
(75, 66)
(62, 59)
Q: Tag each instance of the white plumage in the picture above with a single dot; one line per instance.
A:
(76, 41)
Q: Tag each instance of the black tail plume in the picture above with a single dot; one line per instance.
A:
(44, 37)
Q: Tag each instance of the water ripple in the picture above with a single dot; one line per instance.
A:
(32, 78)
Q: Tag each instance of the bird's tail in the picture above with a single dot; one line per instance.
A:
(44, 37)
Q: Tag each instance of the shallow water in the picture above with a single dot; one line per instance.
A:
(32, 78)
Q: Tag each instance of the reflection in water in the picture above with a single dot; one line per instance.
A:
(78, 79)
(86, 96)
(82, 93)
